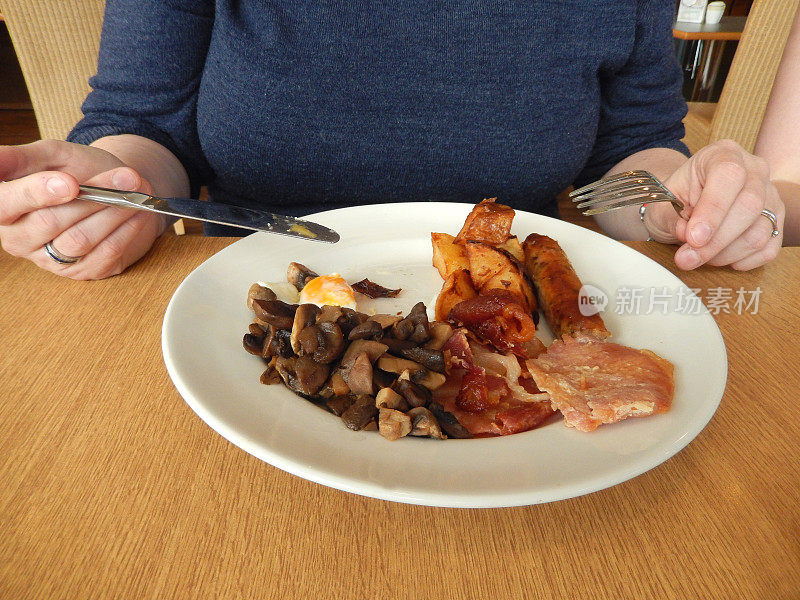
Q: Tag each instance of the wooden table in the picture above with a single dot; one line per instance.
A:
(111, 487)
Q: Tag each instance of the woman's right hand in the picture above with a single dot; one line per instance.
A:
(37, 205)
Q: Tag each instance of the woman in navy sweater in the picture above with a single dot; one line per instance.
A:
(303, 106)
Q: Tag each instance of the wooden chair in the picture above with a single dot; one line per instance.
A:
(56, 42)
(741, 106)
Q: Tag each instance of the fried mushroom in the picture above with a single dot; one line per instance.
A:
(393, 424)
(302, 374)
(424, 424)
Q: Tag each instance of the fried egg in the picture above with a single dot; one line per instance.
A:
(328, 289)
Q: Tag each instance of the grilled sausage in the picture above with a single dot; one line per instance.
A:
(557, 287)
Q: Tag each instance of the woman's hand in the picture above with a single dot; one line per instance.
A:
(724, 189)
(37, 206)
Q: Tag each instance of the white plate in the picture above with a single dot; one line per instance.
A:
(390, 244)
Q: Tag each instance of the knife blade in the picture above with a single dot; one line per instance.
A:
(212, 212)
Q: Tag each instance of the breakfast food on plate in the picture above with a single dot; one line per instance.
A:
(328, 289)
(582, 375)
(477, 370)
(558, 287)
(374, 371)
(594, 381)
(488, 392)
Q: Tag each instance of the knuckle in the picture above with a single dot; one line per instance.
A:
(761, 166)
(731, 169)
(49, 145)
(754, 240)
(44, 221)
(771, 251)
(9, 244)
(76, 241)
(110, 250)
(729, 145)
(750, 202)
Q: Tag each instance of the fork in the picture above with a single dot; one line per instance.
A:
(626, 189)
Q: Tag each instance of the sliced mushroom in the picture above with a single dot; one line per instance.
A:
(257, 330)
(397, 347)
(358, 376)
(270, 375)
(373, 349)
(361, 412)
(339, 404)
(448, 422)
(388, 398)
(330, 342)
(307, 341)
(393, 364)
(440, 333)
(415, 326)
(277, 342)
(430, 359)
(429, 379)
(393, 424)
(299, 275)
(367, 330)
(424, 424)
(385, 321)
(274, 312)
(304, 316)
(253, 344)
(302, 374)
(415, 394)
(374, 290)
(259, 292)
(382, 378)
(402, 329)
(350, 319)
(329, 313)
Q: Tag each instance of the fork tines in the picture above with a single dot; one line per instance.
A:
(626, 189)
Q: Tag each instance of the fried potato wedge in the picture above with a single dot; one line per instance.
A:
(488, 222)
(448, 256)
(457, 288)
(492, 269)
(513, 247)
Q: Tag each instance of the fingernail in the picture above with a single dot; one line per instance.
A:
(701, 233)
(689, 258)
(123, 180)
(57, 187)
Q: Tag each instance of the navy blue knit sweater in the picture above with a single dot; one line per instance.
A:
(304, 105)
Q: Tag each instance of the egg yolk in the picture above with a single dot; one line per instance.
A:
(328, 289)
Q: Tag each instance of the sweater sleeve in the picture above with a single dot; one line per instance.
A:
(152, 54)
(642, 105)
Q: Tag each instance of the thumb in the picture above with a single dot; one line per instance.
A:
(122, 178)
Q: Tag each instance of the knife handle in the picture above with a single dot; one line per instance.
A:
(113, 197)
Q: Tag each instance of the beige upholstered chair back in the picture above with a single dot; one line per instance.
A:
(56, 42)
(741, 107)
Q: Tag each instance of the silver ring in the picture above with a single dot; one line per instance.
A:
(58, 257)
(772, 219)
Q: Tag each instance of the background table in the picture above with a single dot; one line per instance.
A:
(700, 48)
(111, 487)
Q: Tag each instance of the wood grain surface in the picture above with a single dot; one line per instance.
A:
(111, 487)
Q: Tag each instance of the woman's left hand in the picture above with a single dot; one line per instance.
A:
(724, 189)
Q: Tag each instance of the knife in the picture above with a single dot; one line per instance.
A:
(213, 212)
